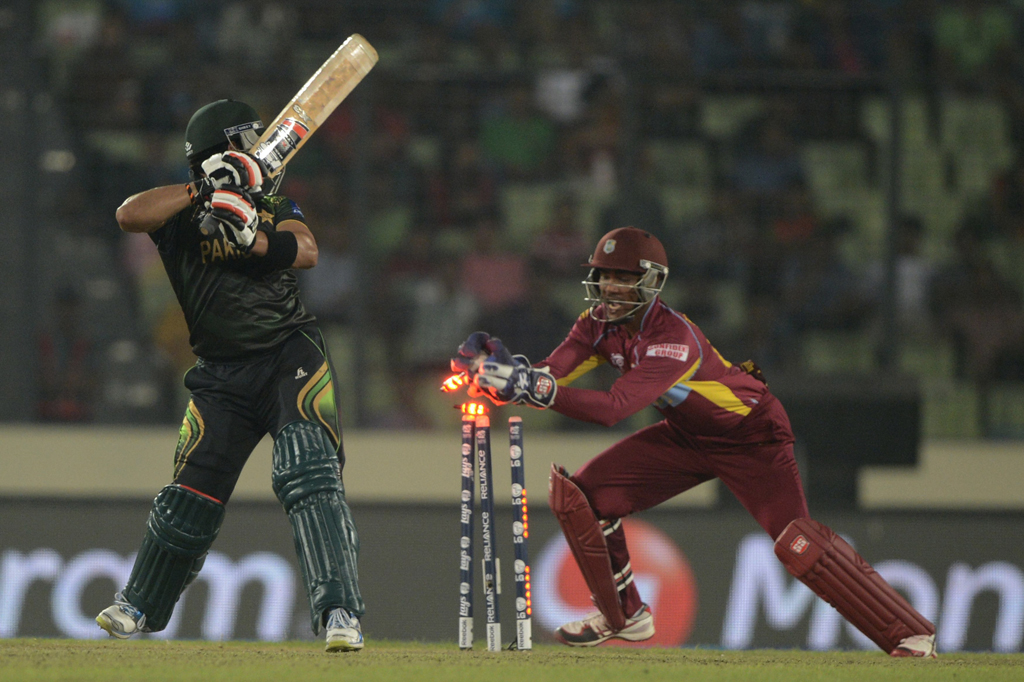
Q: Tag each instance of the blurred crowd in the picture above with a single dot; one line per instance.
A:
(504, 137)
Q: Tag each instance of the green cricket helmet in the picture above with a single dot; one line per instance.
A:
(218, 124)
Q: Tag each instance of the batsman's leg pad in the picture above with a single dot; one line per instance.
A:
(586, 540)
(307, 481)
(182, 526)
(826, 563)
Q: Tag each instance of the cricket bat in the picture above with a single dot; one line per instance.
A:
(310, 107)
(314, 102)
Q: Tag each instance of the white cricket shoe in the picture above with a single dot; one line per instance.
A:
(594, 629)
(343, 631)
(915, 646)
(121, 619)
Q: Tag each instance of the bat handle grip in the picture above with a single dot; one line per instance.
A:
(208, 227)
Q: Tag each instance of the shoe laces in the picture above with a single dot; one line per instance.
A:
(126, 607)
(341, 618)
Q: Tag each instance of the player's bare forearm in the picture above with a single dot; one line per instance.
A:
(308, 253)
(150, 210)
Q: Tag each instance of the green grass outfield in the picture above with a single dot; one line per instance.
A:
(22, 660)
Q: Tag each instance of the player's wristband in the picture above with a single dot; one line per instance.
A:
(282, 247)
(198, 190)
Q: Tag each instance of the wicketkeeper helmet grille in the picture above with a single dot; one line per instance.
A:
(626, 249)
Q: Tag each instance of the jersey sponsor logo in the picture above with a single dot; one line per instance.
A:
(219, 249)
(242, 127)
(676, 351)
(301, 373)
(799, 544)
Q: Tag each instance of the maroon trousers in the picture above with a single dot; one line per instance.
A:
(754, 460)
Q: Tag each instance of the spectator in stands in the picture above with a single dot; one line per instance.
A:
(766, 162)
(105, 84)
(975, 43)
(795, 220)
(329, 289)
(820, 291)
(1007, 209)
(767, 29)
(462, 19)
(715, 245)
(656, 38)
(981, 312)
(594, 146)
(913, 279)
(638, 199)
(840, 37)
(516, 137)
(719, 43)
(494, 275)
(443, 311)
(569, 70)
(561, 246)
(461, 190)
(258, 37)
(536, 323)
(67, 371)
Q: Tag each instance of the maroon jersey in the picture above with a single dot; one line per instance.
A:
(668, 364)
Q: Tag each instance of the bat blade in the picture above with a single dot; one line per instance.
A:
(314, 102)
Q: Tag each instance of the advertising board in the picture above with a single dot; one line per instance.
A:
(711, 577)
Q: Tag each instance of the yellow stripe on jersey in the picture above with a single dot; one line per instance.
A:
(581, 369)
(678, 391)
(690, 372)
(724, 361)
(720, 395)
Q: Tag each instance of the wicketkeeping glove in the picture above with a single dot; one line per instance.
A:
(475, 349)
(516, 382)
(235, 212)
(235, 169)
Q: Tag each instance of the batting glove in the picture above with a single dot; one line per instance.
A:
(235, 212)
(235, 169)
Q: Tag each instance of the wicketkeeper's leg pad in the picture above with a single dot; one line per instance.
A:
(586, 540)
(182, 526)
(307, 481)
(826, 563)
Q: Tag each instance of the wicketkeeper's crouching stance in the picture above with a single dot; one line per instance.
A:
(263, 368)
(721, 421)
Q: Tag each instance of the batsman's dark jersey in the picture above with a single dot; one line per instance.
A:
(263, 362)
(234, 307)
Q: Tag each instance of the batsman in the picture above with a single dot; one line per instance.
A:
(720, 421)
(263, 367)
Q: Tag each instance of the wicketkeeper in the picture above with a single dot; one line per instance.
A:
(720, 421)
(263, 368)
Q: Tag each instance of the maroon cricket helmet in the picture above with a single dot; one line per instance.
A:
(626, 249)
